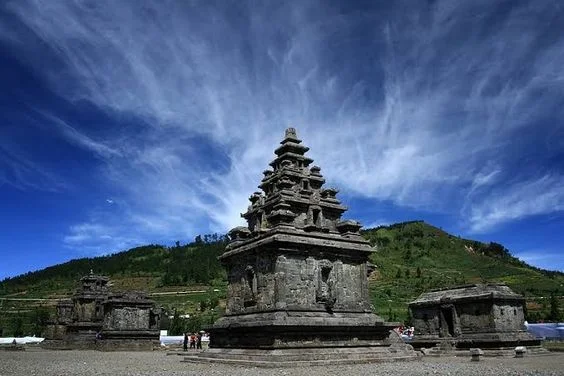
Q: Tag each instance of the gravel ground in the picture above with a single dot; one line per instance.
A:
(83, 363)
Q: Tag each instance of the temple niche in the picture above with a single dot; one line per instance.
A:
(487, 316)
(297, 276)
(96, 318)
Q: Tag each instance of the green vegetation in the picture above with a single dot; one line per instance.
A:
(412, 257)
(187, 278)
(151, 266)
(553, 346)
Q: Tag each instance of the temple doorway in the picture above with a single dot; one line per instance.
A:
(448, 319)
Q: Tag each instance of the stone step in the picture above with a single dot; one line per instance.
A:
(264, 362)
(299, 354)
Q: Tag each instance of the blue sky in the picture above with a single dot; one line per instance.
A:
(127, 122)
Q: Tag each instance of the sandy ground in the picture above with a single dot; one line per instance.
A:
(47, 362)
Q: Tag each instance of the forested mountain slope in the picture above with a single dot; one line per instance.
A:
(412, 257)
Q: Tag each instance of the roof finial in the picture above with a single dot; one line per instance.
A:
(291, 133)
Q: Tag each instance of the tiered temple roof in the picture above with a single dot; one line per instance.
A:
(93, 286)
(293, 196)
(472, 292)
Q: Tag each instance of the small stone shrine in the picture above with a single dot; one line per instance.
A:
(489, 317)
(95, 318)
(297, 277)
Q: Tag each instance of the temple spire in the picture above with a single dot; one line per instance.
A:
(290, 134)
(293, 195)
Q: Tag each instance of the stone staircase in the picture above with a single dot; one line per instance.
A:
(300, 357)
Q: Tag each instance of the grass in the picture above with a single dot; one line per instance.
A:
(554, 346)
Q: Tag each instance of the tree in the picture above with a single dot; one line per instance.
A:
(391, 316)
(554, 314)
(194, 323)
(203, 305)
(496, 250)
(39, 320)
(409, 320)
(213, 301)
(176, 325)
(16, 325)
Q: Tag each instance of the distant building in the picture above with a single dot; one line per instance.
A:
(96, 318)
(488, 316)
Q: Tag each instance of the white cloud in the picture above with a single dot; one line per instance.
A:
(80, 139)
(518, 200)
(544, 258)
(412, 114)
(98, 239)
(377, 223)
(484, 178)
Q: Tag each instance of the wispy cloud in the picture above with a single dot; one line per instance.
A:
(525, 198)
(78, 138)
(407, 104)
(19, 170)
(98, 239)
(484, 178)
(549, 259)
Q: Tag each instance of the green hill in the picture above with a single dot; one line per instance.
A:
(184, 278)
(412, 257)
(148, 267)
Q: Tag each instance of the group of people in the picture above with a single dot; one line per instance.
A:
(194, 339)
(406, 331)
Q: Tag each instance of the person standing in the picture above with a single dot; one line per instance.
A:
(193, 341)
(199, 341)
(185, 343)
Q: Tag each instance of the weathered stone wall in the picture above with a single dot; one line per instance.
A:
(322, 219)
(471, 317)
(320, 283)
(55, 331)
(87, 311)
(508, 317)
(64, 313)
(155, 318)
(475, 317)
(301, 220)
(127, 318)
(426, 321)
(251, 283)
(261, 282)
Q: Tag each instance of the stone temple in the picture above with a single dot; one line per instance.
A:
(297, 277)
(490, 317)
(96, 318)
